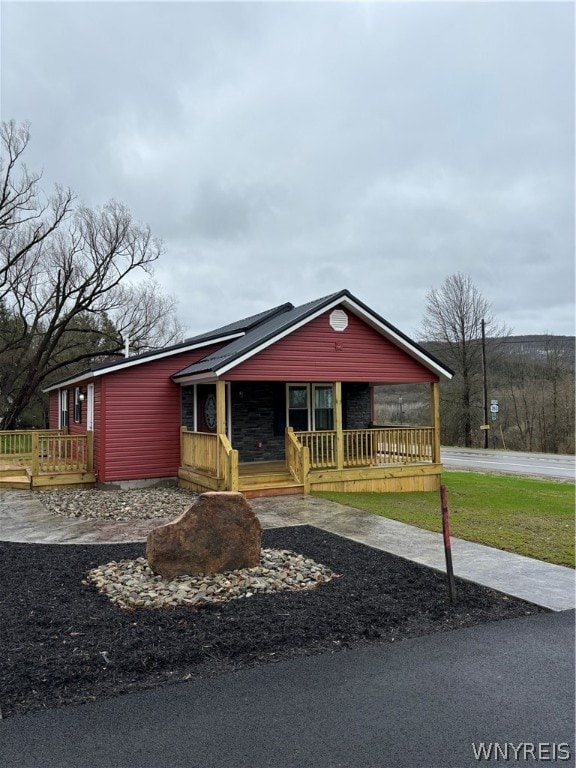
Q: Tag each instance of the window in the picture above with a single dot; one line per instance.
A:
(310, 407)
(77, 406)
(63, 408)
(323, 406)
(298, 407)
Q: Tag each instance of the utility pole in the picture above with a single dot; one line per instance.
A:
(485, 385)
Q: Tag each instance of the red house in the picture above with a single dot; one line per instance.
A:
(279, 402)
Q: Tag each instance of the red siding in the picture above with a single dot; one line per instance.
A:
(53, 407)
(140, 419)
(316, 352)
(98, 384)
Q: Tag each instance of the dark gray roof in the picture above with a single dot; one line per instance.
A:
(237, 328)
(241, 326)
(254, 331)
(267, 330)
(258, 335)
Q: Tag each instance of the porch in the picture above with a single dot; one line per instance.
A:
(331, 457)
(378, 460)
(33, 459)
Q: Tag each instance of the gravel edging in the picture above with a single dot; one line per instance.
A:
(117, 505)
(133, 584)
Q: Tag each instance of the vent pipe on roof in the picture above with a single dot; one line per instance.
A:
(127, 347)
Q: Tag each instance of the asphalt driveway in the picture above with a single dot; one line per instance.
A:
(429, 702)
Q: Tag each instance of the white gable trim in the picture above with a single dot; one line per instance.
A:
(131, 362)
(360, 312)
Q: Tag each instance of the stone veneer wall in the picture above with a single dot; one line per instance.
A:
(258, 420)
(356, 405)
(187, 407)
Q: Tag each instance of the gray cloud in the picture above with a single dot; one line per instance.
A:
(283, 151)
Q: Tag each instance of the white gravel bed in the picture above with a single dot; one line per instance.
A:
(131, 583)
(139, 504)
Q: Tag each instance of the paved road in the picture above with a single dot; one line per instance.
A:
(422, 703)
(510, 462)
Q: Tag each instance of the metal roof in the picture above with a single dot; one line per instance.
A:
(252, 334)
(274, 328)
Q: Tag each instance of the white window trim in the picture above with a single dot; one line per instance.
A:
(310, 394)
(316, 386)
(300, 385)
(63, 408)
(90, 408)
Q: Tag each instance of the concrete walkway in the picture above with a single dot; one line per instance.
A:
(24, 519)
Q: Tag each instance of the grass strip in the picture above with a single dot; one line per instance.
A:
(523, 515)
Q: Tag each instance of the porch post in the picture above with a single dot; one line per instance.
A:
(435, 408)
(35, 456)
(220, 407)
(338, 424)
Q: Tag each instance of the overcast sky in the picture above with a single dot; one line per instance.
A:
(283, 151)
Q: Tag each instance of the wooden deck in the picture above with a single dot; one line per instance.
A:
(45, 459)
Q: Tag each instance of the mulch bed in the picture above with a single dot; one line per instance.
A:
(61, 642)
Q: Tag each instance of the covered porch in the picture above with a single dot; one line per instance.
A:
(338, 458)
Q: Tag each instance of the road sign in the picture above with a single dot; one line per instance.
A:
(493, 402)
(494, 416)
(494, 408)
(484, 426)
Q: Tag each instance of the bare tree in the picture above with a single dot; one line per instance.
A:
(147, 317)
(59, 268)
(452, 322)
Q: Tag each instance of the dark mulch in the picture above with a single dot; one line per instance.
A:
(54, 629)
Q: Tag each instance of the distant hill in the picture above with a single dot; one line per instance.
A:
(533, 346)
(536, 347)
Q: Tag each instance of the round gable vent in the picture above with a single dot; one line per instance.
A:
(338, 320)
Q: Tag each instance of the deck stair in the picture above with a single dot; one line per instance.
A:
(14, 477)
(267, 479)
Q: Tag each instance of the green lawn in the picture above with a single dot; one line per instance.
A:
(531, 517)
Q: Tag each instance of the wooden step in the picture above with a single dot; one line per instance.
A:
(279, 489)
(14, 471)
(261, 478)
(18, 482)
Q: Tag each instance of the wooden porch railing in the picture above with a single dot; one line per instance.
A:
(199, 450)
(297, 458)
(50, 450)
(210, 454)
(228, 463)
(368, 447)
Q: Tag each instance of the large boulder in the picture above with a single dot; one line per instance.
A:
(219, 532)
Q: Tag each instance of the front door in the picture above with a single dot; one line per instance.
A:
(206, 403)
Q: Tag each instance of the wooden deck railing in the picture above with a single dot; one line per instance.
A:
(322, 447)
(62, 453)
(368, 447)
(48, 450)
(17, 444)
(210, 454)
